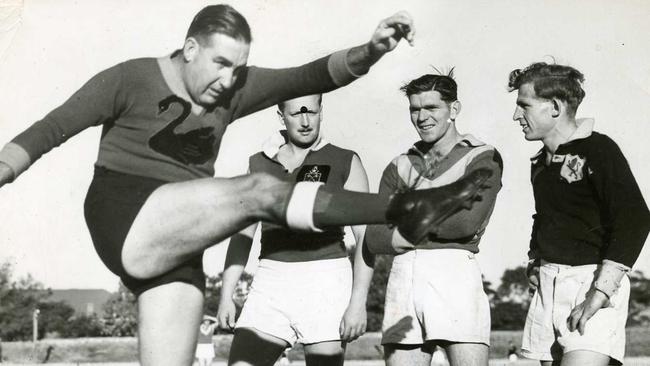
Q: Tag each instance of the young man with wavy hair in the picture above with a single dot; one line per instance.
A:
(589, 226)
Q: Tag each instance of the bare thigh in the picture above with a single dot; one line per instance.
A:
(168, 321)
(576, 358)
(399, 355)
(180, 220)
(470, 354)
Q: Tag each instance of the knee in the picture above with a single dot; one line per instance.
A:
(138, 264)
(262, 181)
(262, 189)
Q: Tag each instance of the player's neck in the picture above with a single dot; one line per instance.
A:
(446, 143)
(561, 133)
(172, 70)
(292, 156)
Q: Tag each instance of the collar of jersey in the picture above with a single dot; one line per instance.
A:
(272, 145)
(467, 140)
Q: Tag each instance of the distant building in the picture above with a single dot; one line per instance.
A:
(83, 301)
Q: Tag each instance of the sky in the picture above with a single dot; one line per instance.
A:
(49, 48)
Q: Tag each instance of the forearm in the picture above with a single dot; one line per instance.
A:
(364, 263)
(236, 259)
(359, 59)
(230, 277)
(608, 277)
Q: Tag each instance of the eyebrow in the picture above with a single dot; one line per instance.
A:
(223, 60)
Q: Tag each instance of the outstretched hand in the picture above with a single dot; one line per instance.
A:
(6, 174)
(390, 31)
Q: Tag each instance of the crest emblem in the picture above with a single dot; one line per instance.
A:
(313, 173)
(573, 168)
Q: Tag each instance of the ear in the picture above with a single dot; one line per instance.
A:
(454, 109)
(190, 49)
(280, 117)
(558, 107)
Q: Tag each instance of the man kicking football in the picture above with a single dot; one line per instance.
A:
(153, 206)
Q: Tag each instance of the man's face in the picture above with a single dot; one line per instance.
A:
(302, 118)
(429, 115)
(213, 67)
(534, 114)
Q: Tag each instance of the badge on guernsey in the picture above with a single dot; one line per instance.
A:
(572, 169)
(313, 173)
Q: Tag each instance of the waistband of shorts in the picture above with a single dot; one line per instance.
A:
(569, 268)
(435, 255)
(318, 265)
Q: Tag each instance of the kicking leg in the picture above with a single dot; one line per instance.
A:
(325, 354)
(168, 321)
(179, 220)
(253, 348)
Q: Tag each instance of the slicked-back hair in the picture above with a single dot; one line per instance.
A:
(551, 81)
(443, 84)
(281, 104)
(222, 19)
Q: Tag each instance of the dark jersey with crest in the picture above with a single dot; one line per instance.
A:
(329, 164)
(588, 205)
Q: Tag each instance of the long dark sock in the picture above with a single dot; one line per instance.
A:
(341, 208)
(324, 360)
(252, 349)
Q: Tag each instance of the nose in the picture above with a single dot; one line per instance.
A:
(227, 78)
(304, 120)
(518, 114)
(422, 115)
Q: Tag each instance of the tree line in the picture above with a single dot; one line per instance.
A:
(20, 297)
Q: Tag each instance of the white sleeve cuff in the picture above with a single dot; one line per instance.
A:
(339, 70)
(300, 210)
(608, 278)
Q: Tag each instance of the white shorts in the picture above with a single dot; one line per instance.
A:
(436, 294)
(299, 301)
(562, 287)
(204, 350)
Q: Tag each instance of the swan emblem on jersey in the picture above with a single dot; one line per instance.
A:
(193, 147)
(573, 168)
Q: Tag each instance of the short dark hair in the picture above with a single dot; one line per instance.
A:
(551, 81)
(443, 84)
(222, 19)
(282, 103)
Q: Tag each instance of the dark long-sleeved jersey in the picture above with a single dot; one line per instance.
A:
(149, 131)
(588, 205)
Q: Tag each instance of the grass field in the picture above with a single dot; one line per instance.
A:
(104, 351)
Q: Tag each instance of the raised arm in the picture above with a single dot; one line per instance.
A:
(236, 258)
(261, 88)
(98, 101)
(355, 317)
